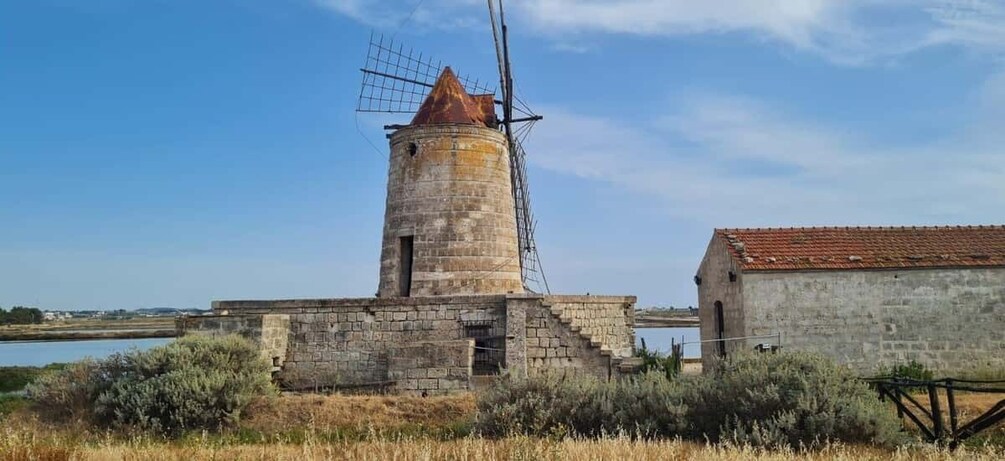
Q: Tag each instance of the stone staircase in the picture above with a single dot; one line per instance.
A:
(624, 365)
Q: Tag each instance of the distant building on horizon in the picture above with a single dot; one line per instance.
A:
(870, 297)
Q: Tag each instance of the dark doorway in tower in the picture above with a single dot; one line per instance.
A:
(490, 349)
(405, 277)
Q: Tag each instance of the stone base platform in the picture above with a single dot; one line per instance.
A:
(429, 345)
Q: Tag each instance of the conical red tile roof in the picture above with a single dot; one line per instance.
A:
(447, 102)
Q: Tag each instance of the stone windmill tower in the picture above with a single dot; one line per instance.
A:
(450, 226)
(458, 217)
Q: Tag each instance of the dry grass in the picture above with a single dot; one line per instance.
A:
(357, 412)
(20, 447)
(969, 405)
(316, 417)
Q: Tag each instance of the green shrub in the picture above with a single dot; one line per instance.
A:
(788, 399)
(69, 394)
(10, 403)
(769, 400)
(14, 379)
(547, 405)
(911, 370)
(653, 360)
(191, 383)
(538, 405)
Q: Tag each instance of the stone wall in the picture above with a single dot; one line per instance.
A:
(551, 345)
(346, 342)
(609, 320)
(449, 190)
(270, 331)
(951, 320)
(431, 367)
(716, 287)
(354, 342)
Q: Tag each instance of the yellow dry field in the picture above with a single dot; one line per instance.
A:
(467, 449)
(375, 422)
(326, 412)
(968, 404)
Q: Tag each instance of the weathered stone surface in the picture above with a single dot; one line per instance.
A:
(431, 367)
(352, 342)
(449, 188)
(948, 319)
(270, 331)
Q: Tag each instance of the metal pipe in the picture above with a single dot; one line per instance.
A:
(733, 339)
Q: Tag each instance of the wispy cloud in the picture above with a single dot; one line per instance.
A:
(425, 14)
(843, 31)
(731, 161)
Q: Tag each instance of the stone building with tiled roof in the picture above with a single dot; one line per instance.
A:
(870, 297)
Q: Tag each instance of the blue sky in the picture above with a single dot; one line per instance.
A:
(167, 153)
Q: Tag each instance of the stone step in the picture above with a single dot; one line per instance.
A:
(568, 322)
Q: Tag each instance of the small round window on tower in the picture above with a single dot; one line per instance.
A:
(413, 149)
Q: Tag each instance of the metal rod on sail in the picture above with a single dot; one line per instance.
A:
(508, 84)
(499, 50)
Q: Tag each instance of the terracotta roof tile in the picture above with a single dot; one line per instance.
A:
(447, 102)
(833, 248)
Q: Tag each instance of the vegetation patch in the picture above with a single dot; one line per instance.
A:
(13, 379)
(766, 400)
(19, 315)
(9, 403)
(17, 445)
(358, 417)
(193, 383)
(656, 361)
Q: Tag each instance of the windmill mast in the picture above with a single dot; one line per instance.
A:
(530, 264)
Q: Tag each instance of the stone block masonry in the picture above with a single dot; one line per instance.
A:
(450, 208)
(269, 331)
(609, 320)
(553, 345)
(431, 367)
(371, 341)
(346, 342)
(951, 320)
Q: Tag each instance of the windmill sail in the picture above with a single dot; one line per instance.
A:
(397, 79)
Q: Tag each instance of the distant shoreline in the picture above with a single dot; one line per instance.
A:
(84, 335)
(654, 321)
(91, 329)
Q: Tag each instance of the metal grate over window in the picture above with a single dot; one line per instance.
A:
(490, 349)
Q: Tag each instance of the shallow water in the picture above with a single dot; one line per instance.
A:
(38, 353)
(659, 339)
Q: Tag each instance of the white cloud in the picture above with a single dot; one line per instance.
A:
(978, 23)
(725, 161)
(843, 31)
(392, 14)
